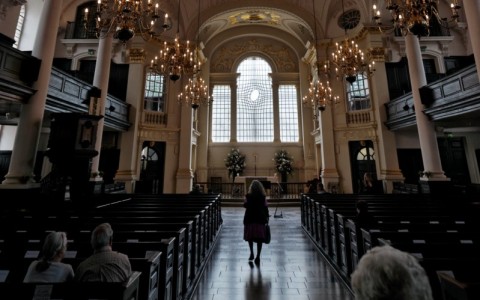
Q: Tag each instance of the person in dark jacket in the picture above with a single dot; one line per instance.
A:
(255, 218)
(364, 218)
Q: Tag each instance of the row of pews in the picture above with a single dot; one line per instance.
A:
(443, 234)
(168, 239)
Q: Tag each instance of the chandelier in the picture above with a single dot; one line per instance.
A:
(127, 18)
(195, 91)
(349, 59)
(414, 16)
(175, 58)
(319, 94)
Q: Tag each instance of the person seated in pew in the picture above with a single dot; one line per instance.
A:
(104, 265)
(385, 272)
(321, 188)
(50, 268)
(364, 219)
(196, 190)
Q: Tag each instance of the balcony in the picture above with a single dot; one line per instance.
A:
(453, 101)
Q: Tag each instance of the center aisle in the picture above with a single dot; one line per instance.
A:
(290, 266)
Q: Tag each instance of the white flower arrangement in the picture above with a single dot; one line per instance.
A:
(283, 162)
(235, 163)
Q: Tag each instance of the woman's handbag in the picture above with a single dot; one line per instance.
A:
(268, 235)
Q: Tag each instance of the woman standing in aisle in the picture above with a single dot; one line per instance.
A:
(255, 218)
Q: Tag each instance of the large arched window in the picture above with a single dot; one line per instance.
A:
(255, 106)
(254, 101)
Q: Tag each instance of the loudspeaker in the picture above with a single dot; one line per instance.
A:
(426, 95)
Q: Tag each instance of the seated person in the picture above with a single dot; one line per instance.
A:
(321, 189)
(104, 264)
(196, 190)
(50, 268)
(364, 218)
(388, 273)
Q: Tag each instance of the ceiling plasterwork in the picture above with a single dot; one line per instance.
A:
(224, 59)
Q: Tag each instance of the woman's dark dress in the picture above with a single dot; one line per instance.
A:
(255, 218)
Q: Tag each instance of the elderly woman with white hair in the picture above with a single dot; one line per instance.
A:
(49, 267)
(388, 273)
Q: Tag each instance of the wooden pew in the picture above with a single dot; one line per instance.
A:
(74, 290)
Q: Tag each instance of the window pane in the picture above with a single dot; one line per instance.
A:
(19, 28)
(221, 110)
(358, 94)
(254, 101)
(154, 99)
(287, 104)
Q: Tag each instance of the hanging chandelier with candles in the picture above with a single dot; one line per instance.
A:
(127, 18)
(350, 60)
(195, 92)
(415, 16)
(319, 94)
(175, 58)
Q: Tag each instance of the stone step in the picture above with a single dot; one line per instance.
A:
(274, 202)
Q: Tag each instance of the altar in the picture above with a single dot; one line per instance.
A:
(242, 183)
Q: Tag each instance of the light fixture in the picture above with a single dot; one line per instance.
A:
(195, 91)
(414, 16)
(319, 94)
(349, 59)
(127, 18)
(175, 58)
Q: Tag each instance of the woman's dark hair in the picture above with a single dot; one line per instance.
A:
(54, 243)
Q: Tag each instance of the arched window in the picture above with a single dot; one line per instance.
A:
(255, 106)
(154, 99)
(19, 28)
(254, 101)
(358, 94)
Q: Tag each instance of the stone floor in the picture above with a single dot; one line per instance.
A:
(291, 267)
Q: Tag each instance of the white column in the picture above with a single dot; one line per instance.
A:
(100, 80)
(386, 144)
(184, 172)
(472, 13)
(426, 128)
(329, 173)
(129, 152)
(20, 172)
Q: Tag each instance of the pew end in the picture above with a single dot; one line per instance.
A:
(455, 289)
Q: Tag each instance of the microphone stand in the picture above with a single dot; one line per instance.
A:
(280, 192)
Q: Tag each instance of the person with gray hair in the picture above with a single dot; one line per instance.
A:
(388, 273)
(50, 268)
(104, 265)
